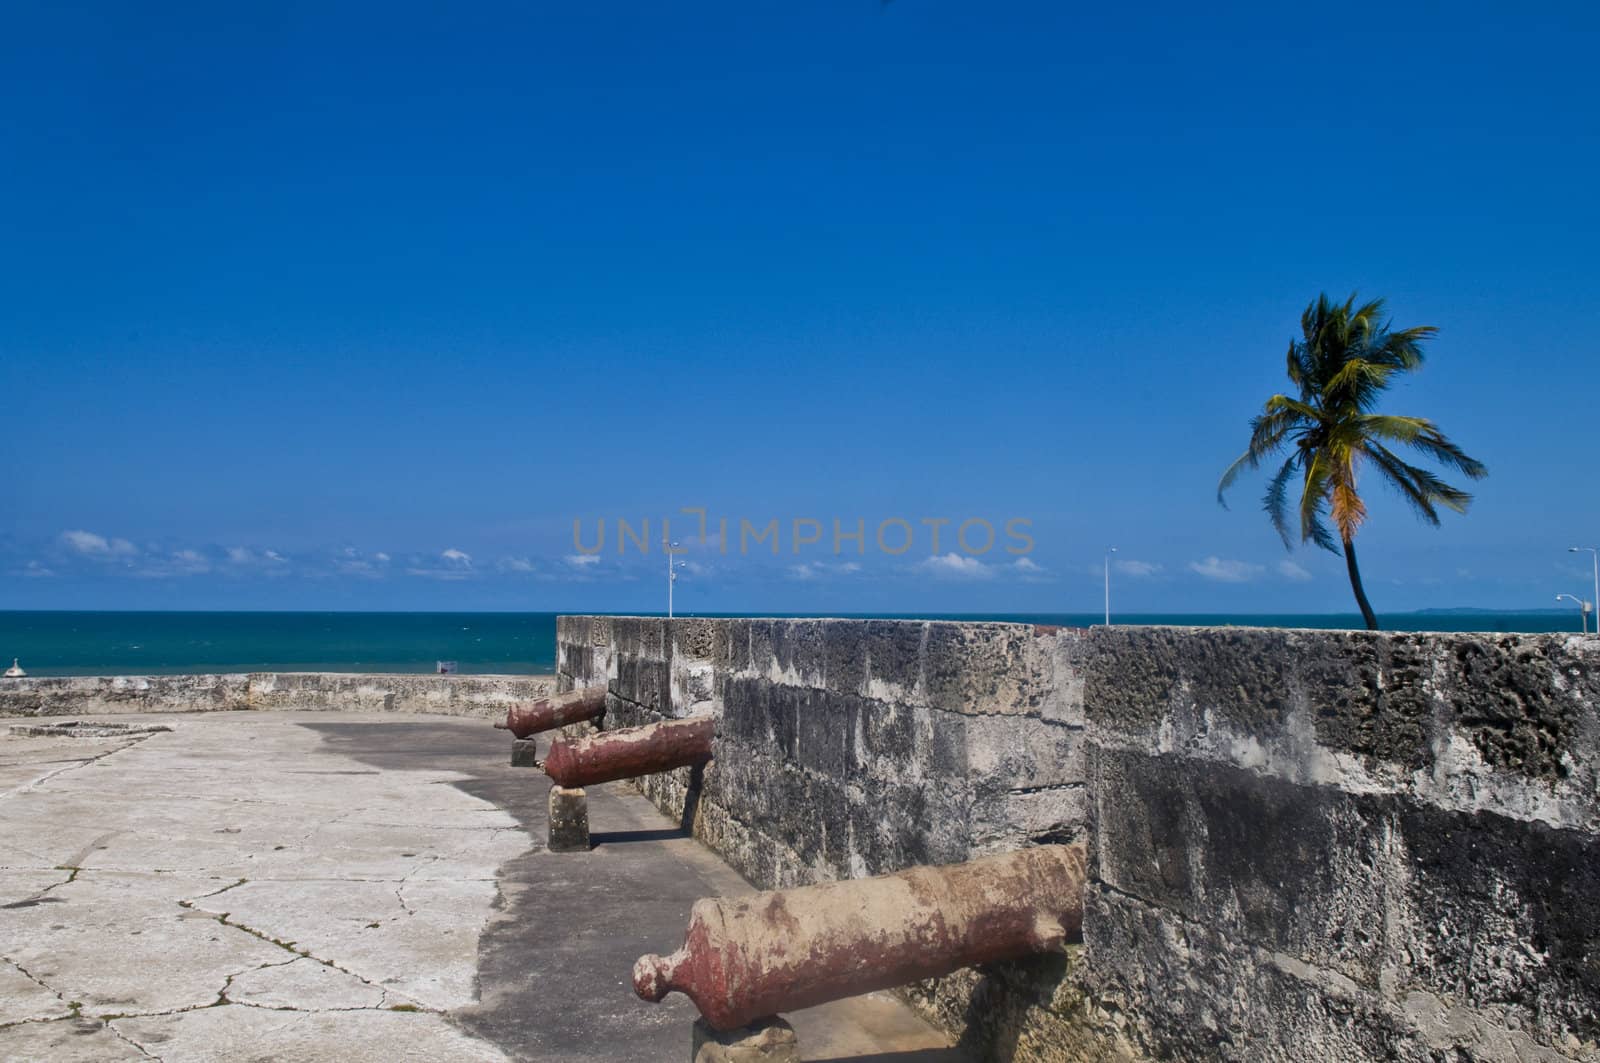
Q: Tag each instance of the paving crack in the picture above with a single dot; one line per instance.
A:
(400, 887)
(225, 918)
(74, 766)
(42, 984)
(29, 902)
(135, 1045)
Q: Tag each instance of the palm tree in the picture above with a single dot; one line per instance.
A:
(1344, 360)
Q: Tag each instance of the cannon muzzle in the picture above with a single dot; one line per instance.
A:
(630, 752)
(744, 958)
(572, 707)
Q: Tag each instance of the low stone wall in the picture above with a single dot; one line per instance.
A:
(450, 695)
(1329, 845)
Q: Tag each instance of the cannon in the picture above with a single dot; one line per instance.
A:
(748, 958)
(629, 752)
(572, 707)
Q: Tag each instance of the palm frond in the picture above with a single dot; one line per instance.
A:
(1267, 433)
(1276, 500)
(1421, 481)
(1313, 501)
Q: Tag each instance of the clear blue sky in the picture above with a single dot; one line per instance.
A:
(359, 306)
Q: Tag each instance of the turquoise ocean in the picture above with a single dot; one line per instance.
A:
(131, 643)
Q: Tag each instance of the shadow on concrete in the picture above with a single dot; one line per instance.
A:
(615, 837)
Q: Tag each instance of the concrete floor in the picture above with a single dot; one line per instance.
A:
(317, 886)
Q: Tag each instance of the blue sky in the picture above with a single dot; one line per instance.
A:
(348, 306)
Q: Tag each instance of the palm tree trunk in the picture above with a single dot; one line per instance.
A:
(1355, 584)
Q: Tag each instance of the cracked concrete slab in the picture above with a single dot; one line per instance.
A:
(66, 1041)
(25, 999)
(424, 953)
(305, 985)
(106, 933)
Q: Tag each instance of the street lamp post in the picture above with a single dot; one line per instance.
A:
(1109, 551)
(1583, 610)
(1594, 556)
(672, 573)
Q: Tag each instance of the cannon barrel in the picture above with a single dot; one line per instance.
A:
(629, 752)
(572, 707)
(744, 958)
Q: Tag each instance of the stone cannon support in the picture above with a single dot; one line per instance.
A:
(745, 958)
(630, 752)
(568, 820)
(563, 709)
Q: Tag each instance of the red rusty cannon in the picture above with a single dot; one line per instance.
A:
(745, 958)
(572, 707)
(630, 752)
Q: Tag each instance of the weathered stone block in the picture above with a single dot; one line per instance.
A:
(894, 658)
(1307, 871)
(1501, 914)
(1366, 693)
(1057, 663)
(976, 669)
(769, 1040)
(1524, 701)
(844, 645)
(569, 820)
(826, 729)
(524, 753)
(695, 637)
(798, 652)
(1006, 820)
(1020, 752)
(1170, 988)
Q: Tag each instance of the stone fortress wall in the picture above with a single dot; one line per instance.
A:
(1304, 844)
(448, 695)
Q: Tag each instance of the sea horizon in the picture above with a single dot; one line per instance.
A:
(502, 642)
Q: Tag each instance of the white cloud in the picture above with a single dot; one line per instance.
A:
(35, 570)
(453, 565)
(91, 545)
(1291, 571)
(1136, 569)
(814, 570)
(582, 560)
(1224, 571)
(190, 562)
(955, 566)
(178, 563)
(1030, 571)
(352, 562)
(242, 555)
(516, 564)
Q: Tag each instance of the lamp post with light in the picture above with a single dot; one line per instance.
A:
(1594, 556)
(1583, 610)
(1109, 551)
(672, 572)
